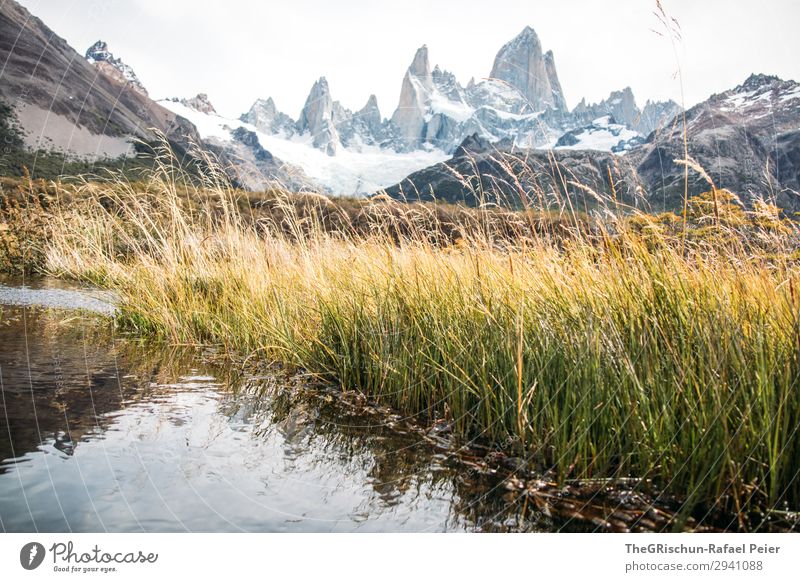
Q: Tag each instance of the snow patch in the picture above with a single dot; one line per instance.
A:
(793, 94)
(602, 135)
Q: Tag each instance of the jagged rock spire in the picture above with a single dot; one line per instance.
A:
(522, 64)
(316, 118)
(409, 117)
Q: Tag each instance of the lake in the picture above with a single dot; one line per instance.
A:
(100, 431)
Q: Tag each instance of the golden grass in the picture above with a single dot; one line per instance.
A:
(610, 351)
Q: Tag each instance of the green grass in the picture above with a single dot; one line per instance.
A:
(621, 348)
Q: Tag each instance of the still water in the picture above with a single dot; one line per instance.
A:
(100, 432)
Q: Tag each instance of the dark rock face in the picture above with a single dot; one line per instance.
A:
(250, 139)
(482, 173)
(473, 144)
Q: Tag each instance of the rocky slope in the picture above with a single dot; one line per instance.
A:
(481, 172)
(747, 139)
(238, 147)
(60, 101)
(96, 109)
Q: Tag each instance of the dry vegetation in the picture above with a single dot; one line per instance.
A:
(617, 345)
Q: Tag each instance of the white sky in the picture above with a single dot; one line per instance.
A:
(239, 50)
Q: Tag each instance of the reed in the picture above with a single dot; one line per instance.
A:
(606, 348)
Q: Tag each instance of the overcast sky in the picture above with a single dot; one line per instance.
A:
(239, 50)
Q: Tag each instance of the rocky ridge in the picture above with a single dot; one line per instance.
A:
(522, 100)
(99, 55)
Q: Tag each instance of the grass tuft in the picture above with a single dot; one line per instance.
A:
(623, 345)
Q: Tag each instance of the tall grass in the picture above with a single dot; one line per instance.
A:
(605, 352)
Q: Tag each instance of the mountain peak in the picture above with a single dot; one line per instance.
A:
(420, 66)
(99, 56)
(372, 103)
(371, 108)
(316, 117)
(367, 121)
(98, 52)
(528, 32)
(264, 115)
(528, 36)
(759, 80)
(201, 103)
(409, 117)
(522, 64)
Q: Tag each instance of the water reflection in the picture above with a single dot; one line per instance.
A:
(99, 433)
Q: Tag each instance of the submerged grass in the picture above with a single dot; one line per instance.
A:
(605, 351)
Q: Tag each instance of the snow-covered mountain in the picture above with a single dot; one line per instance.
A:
(747, 139)
(521, 102)
(621, 105)
(303, 164)
(436, 111)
